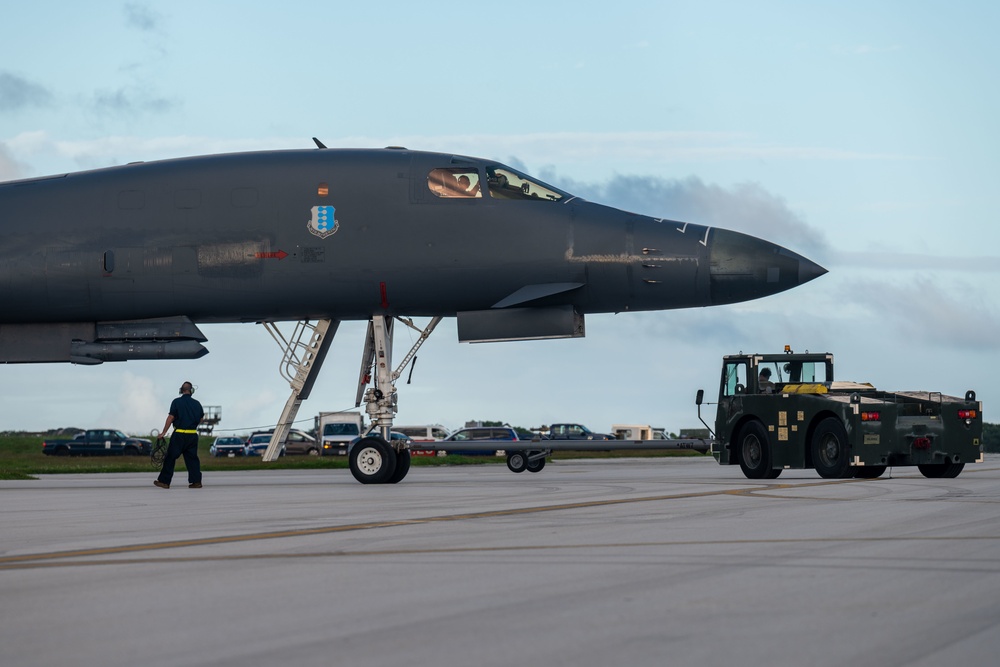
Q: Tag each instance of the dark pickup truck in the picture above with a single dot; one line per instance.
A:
(98, 442)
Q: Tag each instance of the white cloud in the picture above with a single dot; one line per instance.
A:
(141, 17)
(17, 93)
(136, 407)
(946, 314)
(131, 100)
(10, 169)
(902, 261)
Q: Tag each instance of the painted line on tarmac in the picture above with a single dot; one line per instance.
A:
(981, 565)
(13, 562)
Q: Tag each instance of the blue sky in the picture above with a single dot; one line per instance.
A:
(862, 135)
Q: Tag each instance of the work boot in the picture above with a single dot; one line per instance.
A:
(196, 485)
(160, 484)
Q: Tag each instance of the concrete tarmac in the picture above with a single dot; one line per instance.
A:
(588, 563)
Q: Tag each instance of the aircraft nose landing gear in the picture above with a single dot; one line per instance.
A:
(376, 458)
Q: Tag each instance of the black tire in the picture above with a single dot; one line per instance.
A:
(754, 451)
(773, 473)
(61, 451)
(536, 465)
(869, 472)
(831, 454)
(402, 467)
(372, 460)
(130, 451)
(948, 469)
(517, 461)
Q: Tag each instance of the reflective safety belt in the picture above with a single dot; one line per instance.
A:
(184, 430)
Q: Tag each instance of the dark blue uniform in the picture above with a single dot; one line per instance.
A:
(187, 414)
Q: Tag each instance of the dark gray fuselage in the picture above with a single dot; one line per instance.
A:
(225, 238)
(234, 238)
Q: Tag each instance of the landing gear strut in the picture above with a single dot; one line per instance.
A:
(376, 459)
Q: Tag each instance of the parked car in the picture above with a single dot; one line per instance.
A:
(98, 442)
(296, 442)
(300, 442)
(423, 432)
(476, 433)
(576, 432)
(483, 433)
(227, 445)
(257, 444)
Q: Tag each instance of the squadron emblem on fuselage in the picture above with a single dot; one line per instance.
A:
(323, 223)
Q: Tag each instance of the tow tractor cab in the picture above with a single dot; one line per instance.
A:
(779, 411)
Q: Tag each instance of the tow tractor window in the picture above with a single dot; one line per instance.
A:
(813, 372)
(801, 371)
(505, 183)
(454, 183)
(735, 380)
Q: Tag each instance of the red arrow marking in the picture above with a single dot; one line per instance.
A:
(281, 254)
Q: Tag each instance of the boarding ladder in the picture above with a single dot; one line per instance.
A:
(304, 352)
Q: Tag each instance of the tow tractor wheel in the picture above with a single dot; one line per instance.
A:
(754, 451)
(372, 461)
(517, 461)
(402, 467)
(536, 464)
(939, 470)
(830, 451)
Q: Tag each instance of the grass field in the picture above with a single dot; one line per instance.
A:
(21, 458)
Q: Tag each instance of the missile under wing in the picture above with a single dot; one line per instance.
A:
(125, 262)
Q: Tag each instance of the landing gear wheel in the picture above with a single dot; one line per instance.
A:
(536, 464)
(830, 451)
(869, 472)
(754, 451)
(517, 461)
(948, 469)
(402, 467)
(372, 461)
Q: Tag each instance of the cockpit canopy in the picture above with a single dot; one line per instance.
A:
(502, 182)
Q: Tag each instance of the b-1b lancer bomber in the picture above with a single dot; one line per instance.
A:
(125, 262)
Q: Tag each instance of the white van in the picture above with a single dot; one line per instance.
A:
(336, 430)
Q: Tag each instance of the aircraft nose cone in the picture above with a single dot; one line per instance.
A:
(744, 267)
(808, 269)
